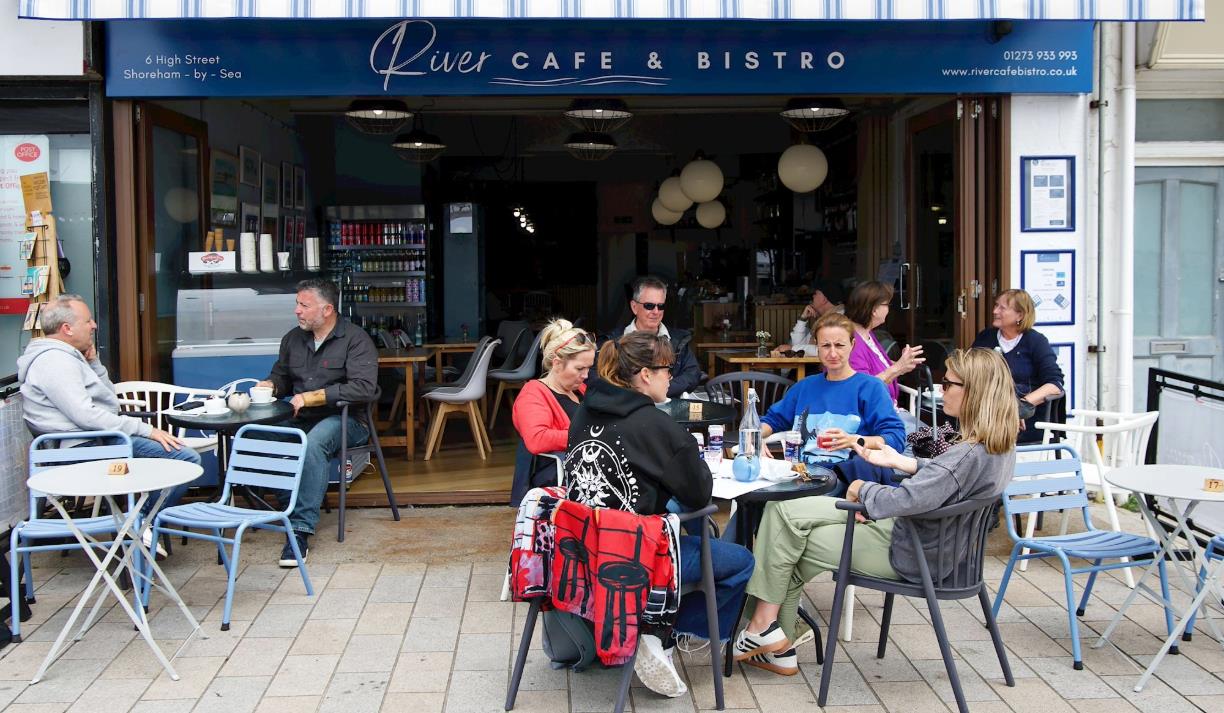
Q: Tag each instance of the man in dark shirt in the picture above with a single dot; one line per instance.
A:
(324, 361)
(649, 298)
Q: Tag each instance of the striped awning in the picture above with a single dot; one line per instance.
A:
(1125, 10)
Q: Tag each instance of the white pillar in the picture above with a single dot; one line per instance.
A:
(1108, 224)
(1125, 307)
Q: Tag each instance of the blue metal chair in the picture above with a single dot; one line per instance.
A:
(255, 461)
(46, 453)
(1213, 551)
(1042, 486)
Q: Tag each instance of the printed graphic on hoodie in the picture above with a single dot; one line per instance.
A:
(597, 470)
(809, 426)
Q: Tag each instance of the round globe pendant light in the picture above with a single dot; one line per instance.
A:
(662, 215)
(711, 214)
(803, 168)
(671, 195)
(701, 180)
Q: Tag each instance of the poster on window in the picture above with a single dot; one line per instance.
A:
(1049, 278)
(20, 155)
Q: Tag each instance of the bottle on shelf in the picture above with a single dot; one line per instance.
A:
(418, 335)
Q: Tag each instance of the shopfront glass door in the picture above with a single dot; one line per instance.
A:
(927, 297)
(1179, 273)
(173, 151)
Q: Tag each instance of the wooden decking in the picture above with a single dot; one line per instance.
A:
(455, 476)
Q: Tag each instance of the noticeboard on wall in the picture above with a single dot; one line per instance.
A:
(1049, 278)
(1047, 194)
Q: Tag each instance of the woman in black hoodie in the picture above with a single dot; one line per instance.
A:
(624, 453)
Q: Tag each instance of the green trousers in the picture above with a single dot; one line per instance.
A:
(799, 539)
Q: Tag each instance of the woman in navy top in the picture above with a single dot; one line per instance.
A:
(1027, 352)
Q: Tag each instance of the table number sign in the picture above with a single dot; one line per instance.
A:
(694, 410)
(117, 468)
(1213, 485)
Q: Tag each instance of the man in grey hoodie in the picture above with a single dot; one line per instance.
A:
(65, 388)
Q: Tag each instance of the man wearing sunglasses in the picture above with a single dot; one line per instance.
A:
(647, 304)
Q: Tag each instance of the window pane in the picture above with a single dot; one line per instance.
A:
(1148, 202)
(1196, 255)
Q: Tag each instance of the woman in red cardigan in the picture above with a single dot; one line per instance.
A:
(544, 407)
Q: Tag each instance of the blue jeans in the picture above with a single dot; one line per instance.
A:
(732, 568)
(322, 444)
(148, 448)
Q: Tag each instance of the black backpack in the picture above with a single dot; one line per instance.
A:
(569, 640)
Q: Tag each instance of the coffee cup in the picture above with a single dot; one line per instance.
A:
(261, 394)
(214, 405)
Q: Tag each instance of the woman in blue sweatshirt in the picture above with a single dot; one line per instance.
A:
(843, 406)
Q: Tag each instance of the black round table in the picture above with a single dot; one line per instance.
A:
(751, 506)
(228, 423)
(711, 413)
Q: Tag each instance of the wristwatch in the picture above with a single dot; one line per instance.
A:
(862, 442)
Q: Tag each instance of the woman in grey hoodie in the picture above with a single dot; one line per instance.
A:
(803, 538)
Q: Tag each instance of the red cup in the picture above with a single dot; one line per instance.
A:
(824, 441)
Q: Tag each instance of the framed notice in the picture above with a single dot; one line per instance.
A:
(1049, 278)
(1065, 354)
(248, 166)
(1047, 194)
(286, 185)
(223, 173)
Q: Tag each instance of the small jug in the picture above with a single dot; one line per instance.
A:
(239, 402)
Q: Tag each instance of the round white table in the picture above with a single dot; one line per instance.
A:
(1182, 485)
(90, 479)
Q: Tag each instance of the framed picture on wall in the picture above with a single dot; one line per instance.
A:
(286, 177)
(288, 230)
(249, 160)
(271, 186)
(250, 218)
(299, 188)
(223, 174)
(301, 229)
(1047, 194)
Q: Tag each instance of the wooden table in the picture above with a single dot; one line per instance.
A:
(449, 345)
(749, 362)
(710, 347)
(408, 359)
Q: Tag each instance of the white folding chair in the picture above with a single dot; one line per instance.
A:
(151, 398)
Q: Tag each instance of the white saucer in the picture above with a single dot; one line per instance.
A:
(263, 403)
(213, 413)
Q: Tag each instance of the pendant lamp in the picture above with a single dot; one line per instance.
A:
(701, 180)
(812, 114)
(590, 146)
(418, 145)
(711, 214)
(377, 116)
(662, 215)
(598, 115)
(671, 195)
(803, 168)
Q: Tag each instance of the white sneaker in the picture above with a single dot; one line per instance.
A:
(655, 669)
(147, 539)
(783, 663)
(766, 642)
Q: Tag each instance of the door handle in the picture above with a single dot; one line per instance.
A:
(960, 304)
(917, 286)
(905, 268)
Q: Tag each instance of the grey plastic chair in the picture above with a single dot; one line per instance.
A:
(512, 379)
(467, 370)
(461, 398)
(968, 524)
(706, 586)
(729, 388)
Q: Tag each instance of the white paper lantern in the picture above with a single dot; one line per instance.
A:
(712, 214)
(803, 168)
(662, 215)
(701, 180)
(671, 195)
(182, 205)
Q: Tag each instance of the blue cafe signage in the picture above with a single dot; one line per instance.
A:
(219, 58)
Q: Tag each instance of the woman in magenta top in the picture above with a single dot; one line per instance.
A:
(867, 307)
